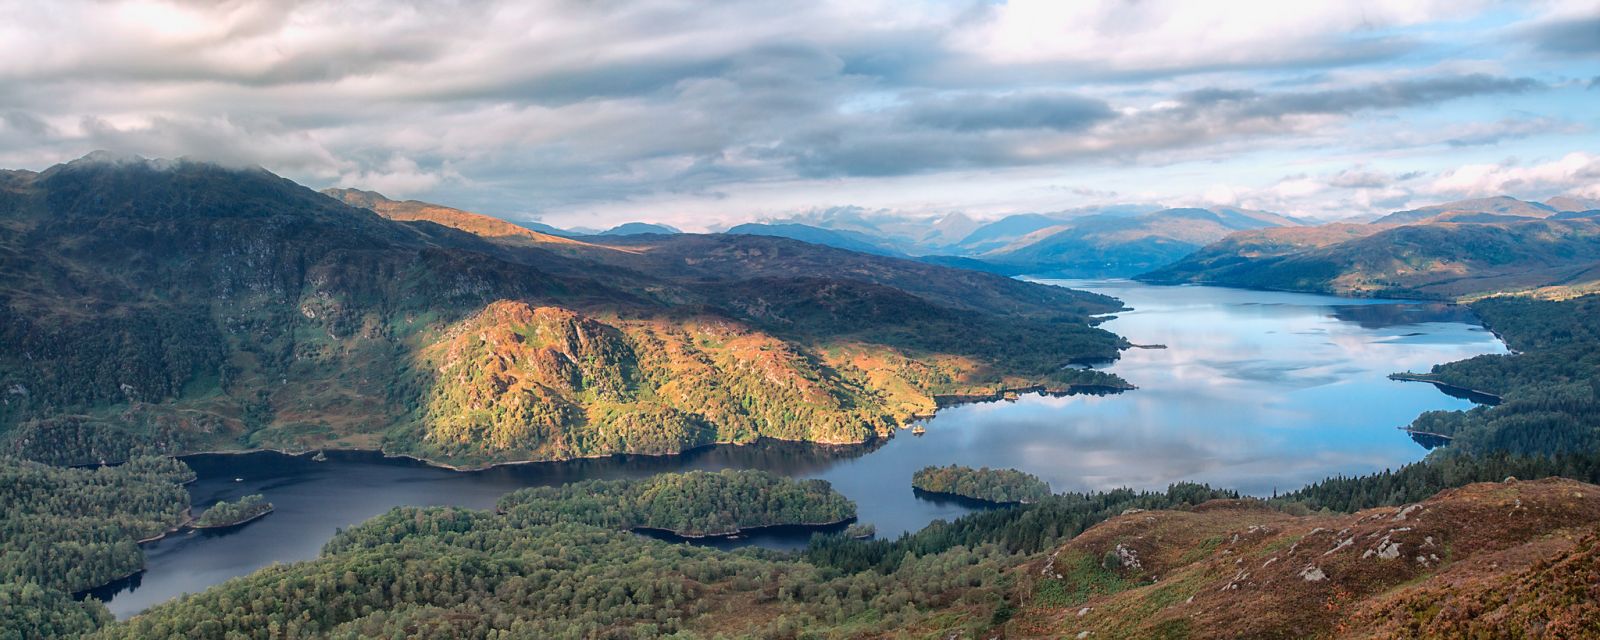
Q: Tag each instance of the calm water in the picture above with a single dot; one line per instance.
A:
(1257, 391)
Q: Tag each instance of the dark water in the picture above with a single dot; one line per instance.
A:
(1256, 391)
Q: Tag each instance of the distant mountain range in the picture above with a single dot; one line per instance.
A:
(1453, 250)
(1118, 245)
(173, 306)
(1449, 250)
(841, 239)
(1114, 240)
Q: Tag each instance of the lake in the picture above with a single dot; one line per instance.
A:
(1255, 391)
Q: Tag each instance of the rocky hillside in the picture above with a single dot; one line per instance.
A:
(1442, 259)
(1512, 559)
(175, 306)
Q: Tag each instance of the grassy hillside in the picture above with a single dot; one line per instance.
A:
(163, 307)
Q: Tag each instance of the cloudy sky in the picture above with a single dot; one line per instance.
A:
(703, 114)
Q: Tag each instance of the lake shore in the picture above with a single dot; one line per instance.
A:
(659, 533)
(940, 401)
(1465, 393)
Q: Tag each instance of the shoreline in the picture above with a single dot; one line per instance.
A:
(230, 525)
(940, 402)
(958, 498)
(740, 532)
(188, 518)
(1490, 399)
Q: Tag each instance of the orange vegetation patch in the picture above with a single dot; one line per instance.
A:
(1230, 570)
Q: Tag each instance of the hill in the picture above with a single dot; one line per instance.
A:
(487, 227)
(844, 239)
(999, 233)
(1117, 245)
(1439, 260)
(1498, 205)
(1485, 560)
(639, 228)
(1573, 203)
(171, 306)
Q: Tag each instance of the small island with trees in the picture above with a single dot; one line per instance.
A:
(999, 486)
(698, 504)
(226, 514)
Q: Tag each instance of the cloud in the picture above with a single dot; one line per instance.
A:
(577, 109)
(1575, 36)
(1057, 111)
(1395, 94)
(1576, 173)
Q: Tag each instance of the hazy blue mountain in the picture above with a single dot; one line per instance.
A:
(637, 228)
(1498, 205)
(1004, 231)
(1121, 245)
(841, 239)
(1573, 203)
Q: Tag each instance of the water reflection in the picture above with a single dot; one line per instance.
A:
(1257, 391)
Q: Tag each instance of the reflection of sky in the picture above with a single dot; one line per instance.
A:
(1256, 391)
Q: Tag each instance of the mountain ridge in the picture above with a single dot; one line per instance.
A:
(252, 312)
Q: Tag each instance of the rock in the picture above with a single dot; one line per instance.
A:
(1313, 574)
(1510, 479)
(1128, 557)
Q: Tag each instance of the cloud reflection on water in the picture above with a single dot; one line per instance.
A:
(1258, 391)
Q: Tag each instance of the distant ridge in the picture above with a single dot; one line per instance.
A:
(851, 240)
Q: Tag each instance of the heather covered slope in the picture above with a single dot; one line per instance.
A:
(178, 306)
(1501, 559)
(1237, 570)
(1439, 260)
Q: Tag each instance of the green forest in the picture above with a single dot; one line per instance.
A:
(990, 485)
(1550, 383)
(68, 530)
(227, 514)
(697, 503)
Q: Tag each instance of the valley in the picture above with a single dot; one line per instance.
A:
(892, 320)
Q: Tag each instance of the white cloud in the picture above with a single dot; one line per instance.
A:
(1577, 173)
(1174, 34)
(701, 114)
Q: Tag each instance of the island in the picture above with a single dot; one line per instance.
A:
(859, 531)
(697, 504)
(223, 515)
(999, 486)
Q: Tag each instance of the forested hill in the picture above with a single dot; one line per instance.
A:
(1448, 258)
(169, 306)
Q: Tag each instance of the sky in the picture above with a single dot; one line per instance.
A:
(704, 114)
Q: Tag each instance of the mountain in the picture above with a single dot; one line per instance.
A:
(849, 240)
(997, 234)
(488, 227)
(899, 234)
(1498, 205)
(637, 228)
(1116, 245)
(172, 306)
(1437, 259)
(949, 230)
(1573, 203)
